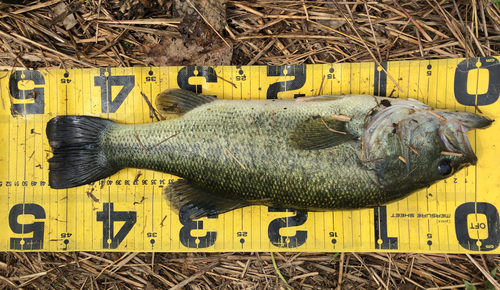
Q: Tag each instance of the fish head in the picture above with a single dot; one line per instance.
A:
(414, 146)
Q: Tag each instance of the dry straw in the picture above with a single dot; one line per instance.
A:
(269, 33)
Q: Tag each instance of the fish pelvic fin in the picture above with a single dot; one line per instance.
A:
(193, 202)
(177, 102)
(78, 156)
(319, 132)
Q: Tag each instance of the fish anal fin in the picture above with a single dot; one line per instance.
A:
(193, 202)
(177, 102)
(318, 132)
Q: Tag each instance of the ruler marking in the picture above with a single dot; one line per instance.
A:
(343, 229)
(427, 198)
(37, 194)
(83, 199)
(408, 80)
(153, 191)
(260, 226)
(359, 83)
(9, 176)
(418, 81)
(436, 75)
(241, 226)
(399, 232)
(41, 159)
(360, 230)
(342, 85)
(323, 69)
(333, 226)
(350, 82)
(250, 238)
(16, 176)
(379, 227)
(25, 118)
(409, 233)
(77, 189)
(428, 84)
(475, 150)
(352, 230)
(398, 92)
(418, 231)
(64, 206)
(418, 203)
(446, 106)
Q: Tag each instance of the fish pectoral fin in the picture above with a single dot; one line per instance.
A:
(320, 133)
(177, 102)
(193, 202)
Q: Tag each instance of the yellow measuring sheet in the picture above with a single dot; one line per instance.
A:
(127, 212)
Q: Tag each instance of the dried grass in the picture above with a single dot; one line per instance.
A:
(262, 32)
(83, 270)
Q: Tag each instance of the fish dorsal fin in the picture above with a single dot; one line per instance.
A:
(320, 133)
(193, 202)
(178, 102)
(322, 98)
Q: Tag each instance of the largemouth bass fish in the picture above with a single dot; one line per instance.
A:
(315, 153)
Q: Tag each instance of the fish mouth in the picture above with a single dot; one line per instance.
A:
(452, 132)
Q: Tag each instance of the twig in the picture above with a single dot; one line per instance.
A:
(151, 109)
(436, 115)
(156, 21)
(477, 42)
(37, 6)
(451, 153)
(165, 140)
(485, 273)
(330, 129)
(223, 79)
(342, 118)
(231, 154)
(373, 32)
(413, 21)
(20, 39)
(261, 52)
(110, 44)
(367, 48)
(206, 21)
(341, 270)
(414, 149)
(140, 143)
(321, 86)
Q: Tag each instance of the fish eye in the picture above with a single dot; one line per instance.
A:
(444, 167)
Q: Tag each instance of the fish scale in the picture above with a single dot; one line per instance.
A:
(262, 147)
(282, 153)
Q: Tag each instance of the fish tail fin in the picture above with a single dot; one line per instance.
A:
(78, 155)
